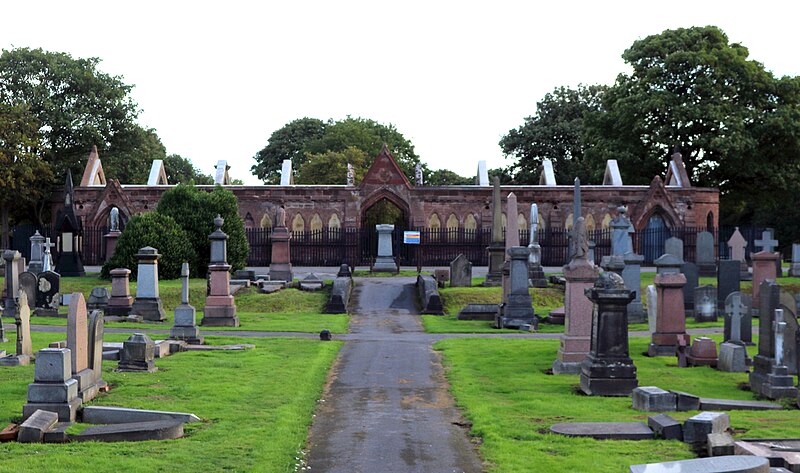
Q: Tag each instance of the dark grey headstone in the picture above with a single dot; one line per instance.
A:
(47, 295)
(705, 303)
(732, 358)
(33, 429)
(738, 305)
(685, 401)
(653, 399)
(728, 280)
(704, 255)
(674, 247)
(28, 282)
(605, 430)
(665, 427)
(138, 354)
(460, 272)
(726, 464)
(478, 312)
(98, 299)
(737, 405)
(692, 281)
(697, 428)
(132, 432)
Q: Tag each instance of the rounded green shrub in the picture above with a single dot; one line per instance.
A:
(194, 210)
(159, 231)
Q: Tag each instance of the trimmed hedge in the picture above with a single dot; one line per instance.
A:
(159, 231)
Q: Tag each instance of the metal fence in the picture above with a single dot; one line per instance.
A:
(358, 246)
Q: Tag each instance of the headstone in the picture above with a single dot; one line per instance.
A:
(29, 283)
(653, 399)
(769, 378)
(78, 333)
(512, 240)
(576, 214)
(670, 330)
(674, 247)
(736, 247)
(385, 261)
(478, 312)
(769, 244)
(581, 275)
(738, 319)
(652, 308)
(732, 358)
(496, 249)
(689, 271)
(517, 308)
(11, 290)
(137, 354)
(47, 260)
(442, 276)
(287, 179)
(96, 330)
(763, 269)
(705, 303)
(340, 296)
(536, 277)
(547, 176)
(705, 255)
(24, 350)
(37, 254)
(703, 352)
(621, 230)
(311, 282)
(794, 268)
(632, 275)
(120, 302)
(685, 401)
(34, 428)
(460, 272)
(787, 304)
(697, 428)
(185, 327)
(280, 267)
(608, 370)
(98, 299)
(220, 309)
(48, 294)
(605, 430)
(147, 303)
(665, 427)
(344, 271)
(53, 388)
(728, 280)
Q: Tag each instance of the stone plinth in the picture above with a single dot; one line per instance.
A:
(494, 276)
(185, 327)
(53, 388)
(632, 275)
(148, 302)
(110, 240)
(703, 352)
(575, 342)
(138, 354)
(763, 269)
(608, 370)
(385, 261)
(670, 327)
(280, 268)
(220, 309)
(517, 307)
(120, 302)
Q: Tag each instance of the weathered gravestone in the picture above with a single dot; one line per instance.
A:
(652, 308)
(48, 294)
(220, 309)
(728, 281)
(460, 272)
(738, 319)
(736, 247)
(632, 275)
(787, 303)
(148, 301)
(705, 303)
(78, 344)
(24, 350)
(536, 277)
(689, 270)
(674, 247)
(11, 289)
(794, 269)
(517, 307)
(53, 388)
(280, 268)
(608, 369)
(705, 254)
(670, 327)
(37, 254)
(311, 282)
(98, 299)
(185, 327)
(770, 377)
(29, 283)
(137, 354)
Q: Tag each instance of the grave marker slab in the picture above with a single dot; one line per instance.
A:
(705, 254)
(705, 303)
(460, 272)
(728, 280)
(48, 294)
(147, 303)
(725, 464)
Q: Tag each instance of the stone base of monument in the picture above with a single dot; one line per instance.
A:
(516, 320)
(131, 432)
(220, 315)
(536, 277)
(666, 344)
(733, 358)
(557, 316)
(129, 318)
(777, 384)
(190, 334)
(118, 307)
(703, 352)
(66, 411)
(478, 312)
(385, 264)
(571, 353)
(794, 270)
(15, 360)
(149, 308)
(47, 312)
(280, 272)
(608, 378)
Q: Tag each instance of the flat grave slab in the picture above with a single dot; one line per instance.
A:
(709, 404)
(122, 415)
(605, 430)
(782, 453)
(726, 464)
(132, 432)
(478, 312)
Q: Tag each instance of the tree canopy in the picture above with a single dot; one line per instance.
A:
(180, 170)
(309, 138)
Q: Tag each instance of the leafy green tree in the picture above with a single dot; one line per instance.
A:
(330, 167)
(131, 153)
(24, 176)
(180, 170)
(77, 106)
(194, 210)
(289, 142)
(159, 231)
(446, 177)
(556, 132)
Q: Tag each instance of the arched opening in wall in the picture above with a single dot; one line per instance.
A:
(710, 222)
(316, 227)
(384, 210)
(452, 227)
(606, 223)
(334, 222)
(298, 223)
(653, 237)
(266, 221)
(470, 227)
(435, 227)
(568, 223)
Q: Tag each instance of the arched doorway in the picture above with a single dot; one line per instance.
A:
(384, 208)
(653, 237)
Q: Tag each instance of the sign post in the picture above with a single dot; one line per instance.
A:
(412, 237)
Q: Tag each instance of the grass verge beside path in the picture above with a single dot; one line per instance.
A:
(256, 406)
(502, 389)
(288, 310)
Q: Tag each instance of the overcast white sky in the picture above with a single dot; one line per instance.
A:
(215, 79)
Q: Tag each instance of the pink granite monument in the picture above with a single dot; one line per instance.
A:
(763, 269)
(120, 302)
(280, 268)
(220, 310)
(670, 326)
(581, 275)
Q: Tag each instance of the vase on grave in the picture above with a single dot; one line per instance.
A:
(608, 369)
(220, 309)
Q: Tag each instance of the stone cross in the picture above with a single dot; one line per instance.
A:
(737, 244)
(767, 243)
(47, 261)
(779, 326)
(735, 308)
(497, 213)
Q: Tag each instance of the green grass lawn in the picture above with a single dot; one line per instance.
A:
(289, 310)
(503, 390)
(256, 407)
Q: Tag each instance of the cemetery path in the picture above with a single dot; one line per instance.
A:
(387, 406)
